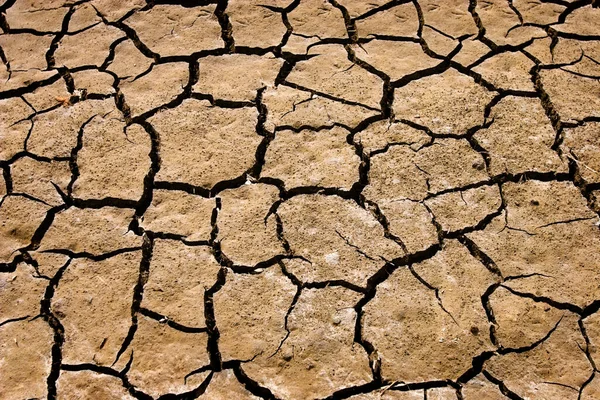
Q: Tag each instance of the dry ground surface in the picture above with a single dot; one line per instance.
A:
(284, 199)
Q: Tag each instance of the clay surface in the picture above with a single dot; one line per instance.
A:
(300, 199)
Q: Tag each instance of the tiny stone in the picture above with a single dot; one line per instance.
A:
(479, 165)
(288, 354)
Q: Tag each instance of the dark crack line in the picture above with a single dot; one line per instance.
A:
(57, 327)
(138, 293)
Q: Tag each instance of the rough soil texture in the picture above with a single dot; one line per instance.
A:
(300, 199)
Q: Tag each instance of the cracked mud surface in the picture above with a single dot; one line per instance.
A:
(300, 199)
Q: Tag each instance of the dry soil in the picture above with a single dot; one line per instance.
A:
(300, 199)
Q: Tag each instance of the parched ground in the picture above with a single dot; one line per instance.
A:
(313, 199)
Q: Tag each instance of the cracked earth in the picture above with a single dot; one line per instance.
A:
(300, 199)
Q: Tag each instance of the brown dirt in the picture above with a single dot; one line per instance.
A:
(309, 199)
